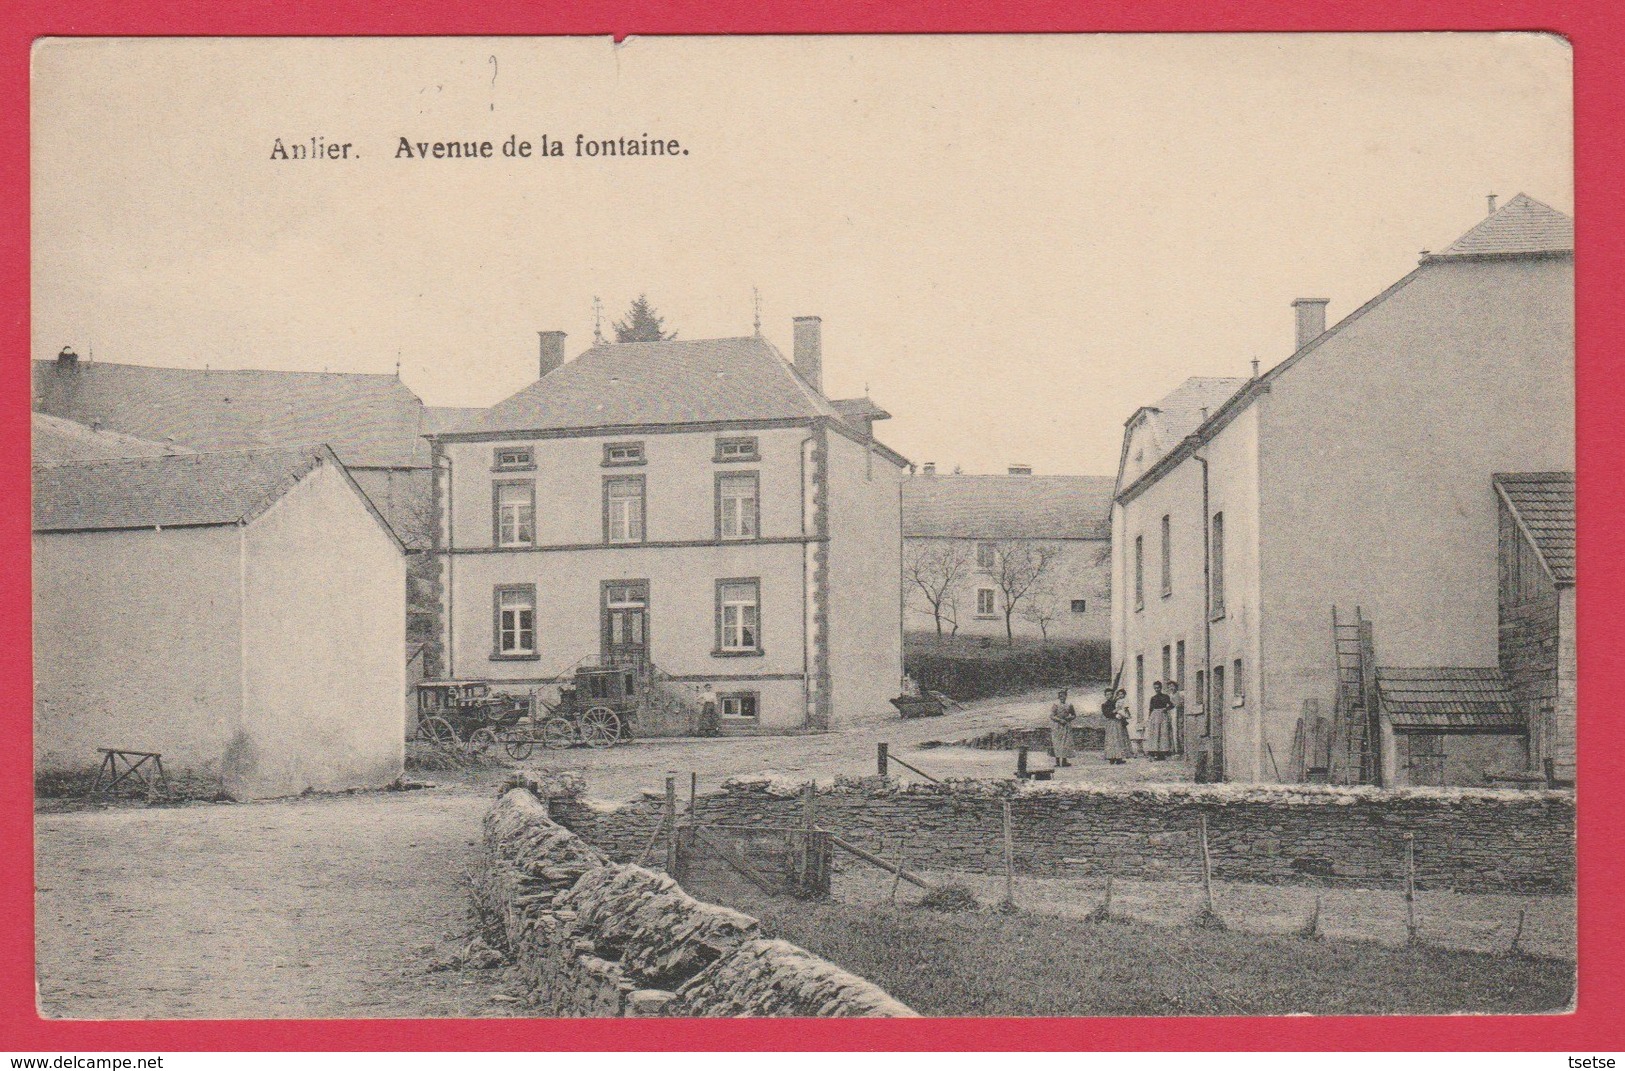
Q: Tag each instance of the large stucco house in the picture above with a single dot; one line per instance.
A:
(1039, 546)
(237, 613)
(1366, 474)
(697, 510)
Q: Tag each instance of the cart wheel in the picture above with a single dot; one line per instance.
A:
(518, 747)
(483, 740)
(600, 727)
(558, 733)
(437, 731)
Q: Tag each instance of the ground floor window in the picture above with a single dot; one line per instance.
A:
(1080, 606)
(738, 707)
(984, 603)
(516, 621)
(739, 610)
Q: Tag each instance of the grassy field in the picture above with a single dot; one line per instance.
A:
(1021, 964)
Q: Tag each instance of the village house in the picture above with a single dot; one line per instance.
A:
(374, 423)
(237, 613)
(698, 510)
(1038, 546)
(1367, 475)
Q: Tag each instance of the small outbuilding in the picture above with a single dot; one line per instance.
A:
(238, 613)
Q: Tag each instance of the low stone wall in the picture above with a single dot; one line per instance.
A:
(1471, 840)
(596, 938)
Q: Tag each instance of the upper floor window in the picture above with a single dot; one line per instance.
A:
(986, 555)
(623, 453)
(1216, 577)
(514, 513)
(1167, 556)
(516, 621)
(623, 509)
(738, 448)
(739, 608)
(513, 457)
(738, 508)
(1080, 606)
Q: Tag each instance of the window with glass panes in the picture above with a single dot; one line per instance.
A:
(739, 616)
(515, 508)
(516, 620)
(623, 509)
(738, 509)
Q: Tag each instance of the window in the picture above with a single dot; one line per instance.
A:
(623, 509)
(513, 457)
(1167, 663)
(741, 448)
(1179, 664)
(1238, 684)
(1216, 579)
(515, 622)
(986, 555)
(1167, 557)
(737, 707)
(984, 603)
(514, 513)
(1199, 695)
(739, 616)
(623, 454)
(1139, 572)
(625, 618)
(1080, 606)
(738, 508)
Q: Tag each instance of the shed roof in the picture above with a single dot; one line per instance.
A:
(174, 491)
(673, 382)
(1543, 504)
(55, 439)
(1448, 699)
(368, 420)
(1007, 507)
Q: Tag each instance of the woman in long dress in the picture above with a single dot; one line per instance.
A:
(1061, 716)
(1159, 735)
(1117, 747)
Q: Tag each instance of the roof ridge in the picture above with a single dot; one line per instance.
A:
(191, 455)
(210, 370)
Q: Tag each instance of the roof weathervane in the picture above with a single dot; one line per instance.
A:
(597, 321)
(756, 300)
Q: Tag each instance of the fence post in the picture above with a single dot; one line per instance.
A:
(693, 790)
(1021, 764)
(1410, 887)
(1009, 861)
(1207, 869)
(880, 759)
(809, 803)
(671, 826)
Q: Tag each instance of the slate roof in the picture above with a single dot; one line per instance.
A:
(1543, 502)
(442, 418)
(1007, 507)
(1520, 227)
(368, 420)
(674, 382)
(1448, 700)
(180, 490)
(55, 439)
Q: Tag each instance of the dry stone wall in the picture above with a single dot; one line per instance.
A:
(592, 937)
(1478, 840)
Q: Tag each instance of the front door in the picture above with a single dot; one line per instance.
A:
(626, 622)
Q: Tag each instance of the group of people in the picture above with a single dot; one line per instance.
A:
(1165, 713)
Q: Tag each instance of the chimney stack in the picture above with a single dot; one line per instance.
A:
(809, 350)
(552, 351)
(1311, 319)
(928, 469)
(1021, 470)
(67, 360)
(1491, 212)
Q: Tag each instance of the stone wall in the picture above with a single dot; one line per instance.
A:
(1479, 840)
(596, 938)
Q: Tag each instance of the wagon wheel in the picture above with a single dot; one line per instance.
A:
(600, 727)
(437, 731)
(482, 740)
(518, 746)
(558, 732)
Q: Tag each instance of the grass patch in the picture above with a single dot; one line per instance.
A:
(1022, 964)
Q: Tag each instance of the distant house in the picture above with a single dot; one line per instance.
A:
(1358, 475)
(374, 423)
(971, 543)
(238, 613)
(694, 509)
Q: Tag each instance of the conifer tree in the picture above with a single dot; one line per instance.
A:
(642, 324)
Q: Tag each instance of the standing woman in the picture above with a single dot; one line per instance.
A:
(1159, 735)
(1061, 716)
(1116, 727)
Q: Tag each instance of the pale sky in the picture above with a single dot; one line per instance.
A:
(1013, 241)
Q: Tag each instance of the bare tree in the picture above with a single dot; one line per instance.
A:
(1019, 569)
(1042, 608)
(936, 568)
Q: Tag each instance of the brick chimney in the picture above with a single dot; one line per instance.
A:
(928, 469)
(809, 350)
(67, 360)
(1021, 470)
(552, 351)
(1311, 319)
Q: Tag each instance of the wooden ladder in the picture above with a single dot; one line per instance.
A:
(1356, 700)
